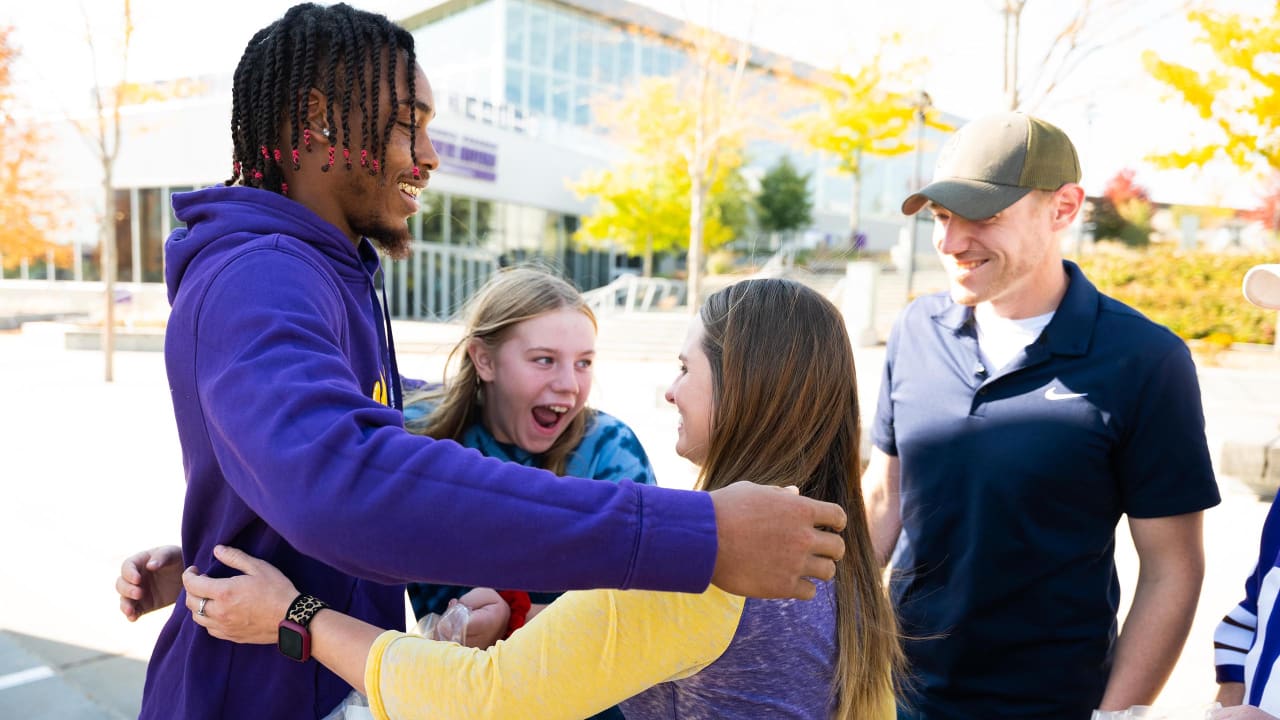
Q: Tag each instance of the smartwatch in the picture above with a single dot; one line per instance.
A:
(294, 639)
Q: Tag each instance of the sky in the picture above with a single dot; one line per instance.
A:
(1115, 113)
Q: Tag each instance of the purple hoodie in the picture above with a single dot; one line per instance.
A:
(275, 349)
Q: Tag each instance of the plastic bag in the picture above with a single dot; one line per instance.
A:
(354, 707)
(451, 626)
(1148, 712)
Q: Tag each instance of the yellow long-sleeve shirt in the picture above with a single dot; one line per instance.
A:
(587, 651)
(591, 650)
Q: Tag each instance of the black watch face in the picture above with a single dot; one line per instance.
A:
(290, 642)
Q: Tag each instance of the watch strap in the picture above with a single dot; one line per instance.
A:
(304, 608)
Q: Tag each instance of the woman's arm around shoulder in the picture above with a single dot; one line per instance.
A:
(587, 651)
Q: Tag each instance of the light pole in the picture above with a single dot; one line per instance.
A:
(922, 106)
(1012, 10)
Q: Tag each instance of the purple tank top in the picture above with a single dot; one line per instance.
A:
(780, 664)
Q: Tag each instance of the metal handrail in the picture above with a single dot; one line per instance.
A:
(780, 262)
(631, 293)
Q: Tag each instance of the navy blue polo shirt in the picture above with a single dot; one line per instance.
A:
(1012, 484)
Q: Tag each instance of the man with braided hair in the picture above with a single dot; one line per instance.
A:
(287, 398)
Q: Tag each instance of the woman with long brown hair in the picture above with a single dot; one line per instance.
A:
(766, 392)
(786, 413)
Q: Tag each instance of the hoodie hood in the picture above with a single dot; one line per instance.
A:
(220, 218)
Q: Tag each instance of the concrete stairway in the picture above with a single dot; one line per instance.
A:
(642, 336)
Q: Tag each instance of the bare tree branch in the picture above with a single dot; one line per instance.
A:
(1095, 25)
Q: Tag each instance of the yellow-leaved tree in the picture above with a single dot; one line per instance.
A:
(870, 111)
(644, 207)
(1239, 96)
(684, 135)
(645, 201)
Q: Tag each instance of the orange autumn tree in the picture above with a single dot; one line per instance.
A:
(1268, 211)
(30, 213)
(1124, 211)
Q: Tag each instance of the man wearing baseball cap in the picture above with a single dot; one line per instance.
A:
(1021, 415)
(1246, 645)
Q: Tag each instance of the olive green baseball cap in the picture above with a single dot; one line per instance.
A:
(993, 162)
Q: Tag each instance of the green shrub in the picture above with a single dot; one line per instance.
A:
(1196, 294)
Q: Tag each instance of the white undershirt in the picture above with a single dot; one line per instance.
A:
(1001, 339)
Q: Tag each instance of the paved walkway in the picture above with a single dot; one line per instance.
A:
(93, 472)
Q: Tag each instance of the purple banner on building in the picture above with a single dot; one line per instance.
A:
(466, 156)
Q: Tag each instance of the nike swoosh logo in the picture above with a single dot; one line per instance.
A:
(1053, 394)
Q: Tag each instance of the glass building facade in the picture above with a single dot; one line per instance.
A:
(458, 242)
(515, 81)
(544, 59)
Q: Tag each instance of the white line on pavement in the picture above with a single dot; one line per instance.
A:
(25, 677)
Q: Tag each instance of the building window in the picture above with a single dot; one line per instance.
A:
(560, 100)
(626, 59)
(606, 59)
(583, 63)
(582, 105)
(432, 217)
(482, 226)
(460, 221)
(562, 44)
(648, 60)
(151, 234)
(514, 93)
(538, 93)
(124, 236)
(539, 39)
(517, 34)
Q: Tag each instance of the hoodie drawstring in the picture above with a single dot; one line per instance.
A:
(394, 390)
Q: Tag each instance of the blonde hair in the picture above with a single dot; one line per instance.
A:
(785, 412)
(510, 297)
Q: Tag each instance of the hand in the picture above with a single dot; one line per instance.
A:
(1242, 712)
(246, 608)
(149, 580)
(489, 617)
(1230, 693)
(771, 540)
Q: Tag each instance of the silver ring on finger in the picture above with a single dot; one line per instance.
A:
(200, 609)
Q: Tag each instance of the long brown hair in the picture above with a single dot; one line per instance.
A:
(509, 298)
(785, 412)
